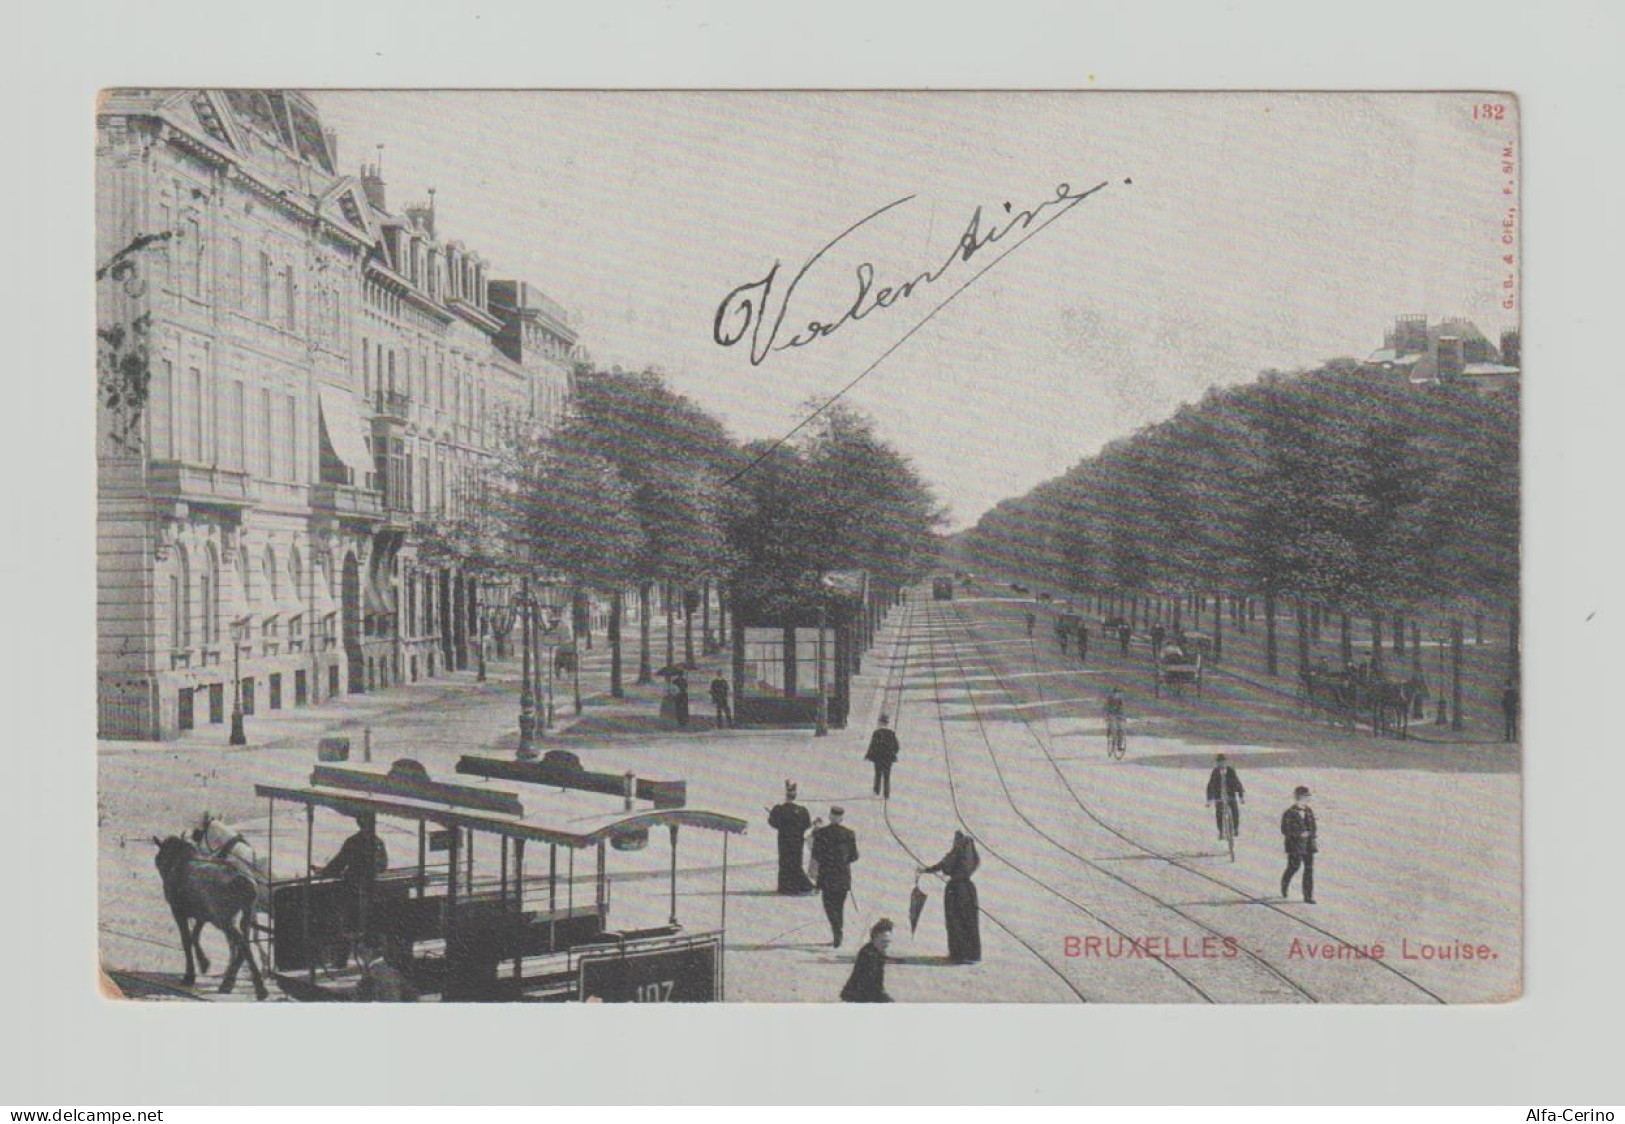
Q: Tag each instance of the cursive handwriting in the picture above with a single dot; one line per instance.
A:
(745, 310)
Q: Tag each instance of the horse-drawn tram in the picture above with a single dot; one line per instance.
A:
(497, 903)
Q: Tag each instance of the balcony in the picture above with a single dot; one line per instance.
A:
(207, 487)
(392, 405)
(346, 501)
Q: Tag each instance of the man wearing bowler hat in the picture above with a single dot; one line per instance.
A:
(835, 849)
(1298, 830)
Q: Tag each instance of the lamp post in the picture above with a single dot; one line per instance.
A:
(238, 736)
(496, 599)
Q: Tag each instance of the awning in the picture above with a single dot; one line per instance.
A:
(345, 433)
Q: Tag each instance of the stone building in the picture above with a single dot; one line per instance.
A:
(291, 378)
(1452, 350)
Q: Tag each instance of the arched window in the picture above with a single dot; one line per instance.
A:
(243, 575)
(209, 582)
(180, 603)
(268, 568)
(296, 573)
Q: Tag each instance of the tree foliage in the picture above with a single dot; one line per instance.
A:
(1333, 485)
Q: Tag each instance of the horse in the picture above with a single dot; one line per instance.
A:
(202, 891)
(216, 840)
(1391, 706)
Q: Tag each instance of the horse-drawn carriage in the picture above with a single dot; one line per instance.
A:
(1357, 693)
(475, 917)
(1176, 666)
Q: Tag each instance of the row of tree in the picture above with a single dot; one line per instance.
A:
(641, 486)
(1331, 488)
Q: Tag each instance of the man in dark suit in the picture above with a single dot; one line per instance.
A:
(835, 849)
(1511, 703)
(868, 981)
(883, 750)
(1298, 830)
(1224, 788)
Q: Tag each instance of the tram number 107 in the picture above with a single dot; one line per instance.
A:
(658, 991)
(686, 973)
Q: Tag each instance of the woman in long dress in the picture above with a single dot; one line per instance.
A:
(959, 904)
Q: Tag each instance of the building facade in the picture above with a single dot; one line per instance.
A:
(1450, 351)
(292, 380)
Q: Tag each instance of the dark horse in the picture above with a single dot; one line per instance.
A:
(204, 891)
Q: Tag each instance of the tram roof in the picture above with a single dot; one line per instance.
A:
(568, 818)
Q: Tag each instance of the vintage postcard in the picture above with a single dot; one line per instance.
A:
(876, 546)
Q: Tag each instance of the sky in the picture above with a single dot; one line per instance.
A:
(1234, 233)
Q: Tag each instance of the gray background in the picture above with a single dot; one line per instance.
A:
(64, 1046)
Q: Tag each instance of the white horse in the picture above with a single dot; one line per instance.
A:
(216, 839)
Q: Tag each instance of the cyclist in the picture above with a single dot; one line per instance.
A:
(1223, 792)
(1114, 721)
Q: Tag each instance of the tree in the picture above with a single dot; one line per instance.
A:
(675, 457)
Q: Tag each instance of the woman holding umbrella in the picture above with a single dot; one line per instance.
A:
(959, 904)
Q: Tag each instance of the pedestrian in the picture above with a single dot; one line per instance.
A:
(835, 849)
(1031, 620)
(719, 696)
(1157, 633)
(959, 904)
(1511, 701)
(1298, 828)
(1124, 635)
(867, 983)
(679, 683)
(1224, 790)
(791, 821)
(883, 750)
(1060, 633)
(1083, 642)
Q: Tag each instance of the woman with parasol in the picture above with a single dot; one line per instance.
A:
(959, 904)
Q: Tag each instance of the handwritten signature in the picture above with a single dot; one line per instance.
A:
(745, 310)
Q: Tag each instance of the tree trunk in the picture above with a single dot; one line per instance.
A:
(1271, 659)
(646, 672)
(1304, 628)
(1376, 644)
(1455, 673)
(671, 624)
(1514, 627)
(705, 611)
(688, 633)
(737, 644)
(1218, 627)
(616, 603)
(1345, 640)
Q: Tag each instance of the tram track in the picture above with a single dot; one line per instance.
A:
(1002, 855)
(1097, 867)
(1170, 861)
(896, 682)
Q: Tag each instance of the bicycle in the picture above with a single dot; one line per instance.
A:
(1227, 827)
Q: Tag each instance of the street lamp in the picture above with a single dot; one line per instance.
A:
(494, 603)
(238, 736)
